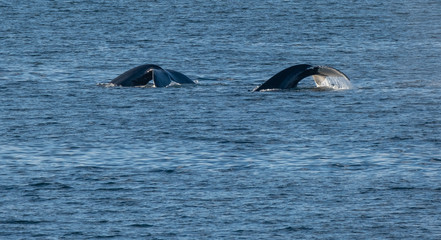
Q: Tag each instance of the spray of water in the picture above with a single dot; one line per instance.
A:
(336, 83)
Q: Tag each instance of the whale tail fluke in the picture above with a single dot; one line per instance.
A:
(290, 77)
(142, 75)
(285, 78)
(179, 77)
(331, 78)
(160, 78)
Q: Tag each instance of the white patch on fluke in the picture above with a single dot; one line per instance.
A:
(336, 83)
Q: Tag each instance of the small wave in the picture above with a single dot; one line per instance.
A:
(161, 170)
(116, 189)
(21, 221)
(142, 225)
(296, 228)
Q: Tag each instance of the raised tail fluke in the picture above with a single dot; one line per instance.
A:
(161, 78)
(142, 75)
(330, 77)
(290, 77)
(179, 77)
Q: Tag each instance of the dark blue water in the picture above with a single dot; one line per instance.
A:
(214, 160)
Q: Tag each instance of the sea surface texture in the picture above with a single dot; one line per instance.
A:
(80, 159)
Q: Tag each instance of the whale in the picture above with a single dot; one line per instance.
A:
(291, 76)
(143, 74)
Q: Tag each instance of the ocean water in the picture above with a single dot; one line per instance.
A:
(214, 160)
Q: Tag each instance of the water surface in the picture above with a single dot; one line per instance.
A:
(215, 160)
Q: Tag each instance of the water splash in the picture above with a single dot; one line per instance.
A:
(336, 83)
(106, 85)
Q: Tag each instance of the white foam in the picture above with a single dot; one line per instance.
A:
(106, 84)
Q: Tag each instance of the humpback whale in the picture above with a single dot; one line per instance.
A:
(143, 74)
(290, 77)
